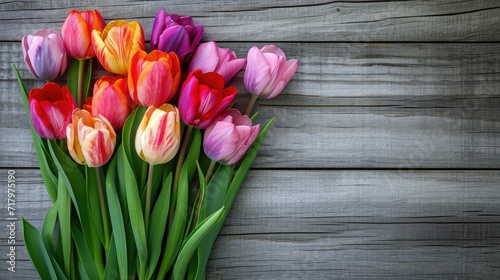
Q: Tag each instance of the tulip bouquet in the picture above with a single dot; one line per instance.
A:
(143, 164)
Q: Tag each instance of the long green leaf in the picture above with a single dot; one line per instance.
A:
(115, 212)
(128, 140)
(112, 270)
(84, 254)
(48, 229)
(73, 77)
(87, 80)
(94, 201)
(64, 214)
(192, 243)
(134, 208)
(37, 252)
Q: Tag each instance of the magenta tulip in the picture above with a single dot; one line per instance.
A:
(50, 110)
(228, 138)
(44, 54)
(203, 98)
(175, 33)
(267, 71)
(208, 57)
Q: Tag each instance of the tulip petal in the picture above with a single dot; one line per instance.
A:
(256, 75)
(205, 58)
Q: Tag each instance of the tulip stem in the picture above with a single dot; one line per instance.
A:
(81, 67)
(148, 196)
(250, 105)
(104, 212)
(210, 171)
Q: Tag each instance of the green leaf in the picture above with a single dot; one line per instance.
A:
(112, 270)
(48, 229)
(42, 154)
(175, 234)
(87, 79)
(192, 243)
(197, 211)
(119, 245)
(73, 72)
(134, 208)
(64, 214)
(37, 252)
(84, 254)
(94, 201)
(128, 141)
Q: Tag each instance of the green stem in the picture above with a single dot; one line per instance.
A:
(210, 171)
(81, 72)
(104, 211)
(250, 105)
(148, 196)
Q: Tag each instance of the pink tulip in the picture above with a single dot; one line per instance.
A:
(203, 98)
(267, 71)
(44, 54)
(111, 100)
(50, 110)
(228, 139)
(91, 140)
(76, 32)
(208, 57)
(159, 134)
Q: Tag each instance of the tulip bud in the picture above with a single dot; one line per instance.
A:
(111, 100)
(76, 32)
(117, 43)
(208, 57)
(159, 134)
(174, 33)
(267, 71)
(153, 78)
(50, 109)
(91, 140)
(44, 54)
(228, 138)
(203, 98)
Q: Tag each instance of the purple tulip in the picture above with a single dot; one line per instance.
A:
(175, 33)
(228, 139)
(210, 58)
(268, 71)
(44, 54)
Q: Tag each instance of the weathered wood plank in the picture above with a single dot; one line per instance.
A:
(416, 20)
(340, 224)
(367, 105)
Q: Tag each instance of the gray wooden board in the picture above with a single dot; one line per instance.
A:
(416, 20)
(418, 105)
(337, 224)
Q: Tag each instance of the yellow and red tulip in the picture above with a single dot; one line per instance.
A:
(153, 78)
(50, 109)
(117, 43)
(159, 134)
(111, 100)
(91, 140)
(76, 32)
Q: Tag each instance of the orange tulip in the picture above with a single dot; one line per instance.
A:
(117, 43)
(153, 78)
(76, 31)
(91, 140)
(159, 134)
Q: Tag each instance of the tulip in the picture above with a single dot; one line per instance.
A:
(117, 43)
(159, 134)
(203, 98)
(228, 138)
(175, 33)
(76, 32)
(267, 71)
(111, 100)
(153, 78)
(44, 54)
(210, 58)
(91, 140)
(50, 109)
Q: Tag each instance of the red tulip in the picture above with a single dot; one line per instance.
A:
(203, 97)
(76, 32)
(50, 109)
(153, 78)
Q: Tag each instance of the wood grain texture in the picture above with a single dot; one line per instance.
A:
(340, 224)
(349, 106)
(314, 21)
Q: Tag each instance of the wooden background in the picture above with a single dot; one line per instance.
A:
(384, 161)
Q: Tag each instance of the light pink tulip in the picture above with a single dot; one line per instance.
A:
(208, 57)
(228, 139)
(267, 71)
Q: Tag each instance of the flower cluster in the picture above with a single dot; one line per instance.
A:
(143, 129)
